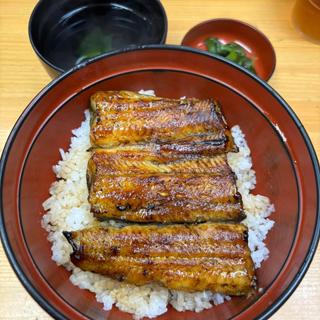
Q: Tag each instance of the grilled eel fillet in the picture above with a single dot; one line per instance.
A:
(199, 257)
(142, 185)
(186, 126)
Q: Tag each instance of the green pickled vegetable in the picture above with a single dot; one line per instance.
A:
(213, 45)
(233, 56)
(234, 47)
(231, 51)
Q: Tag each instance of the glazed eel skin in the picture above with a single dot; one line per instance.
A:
(143, 185)
(186, 126)
(207, 256)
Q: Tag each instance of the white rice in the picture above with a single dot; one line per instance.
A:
(68, 209)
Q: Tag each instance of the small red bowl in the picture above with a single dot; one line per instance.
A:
(284, 160)
(257, 45)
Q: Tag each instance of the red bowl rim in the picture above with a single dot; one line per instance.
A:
(3, 233)
(245, 24)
